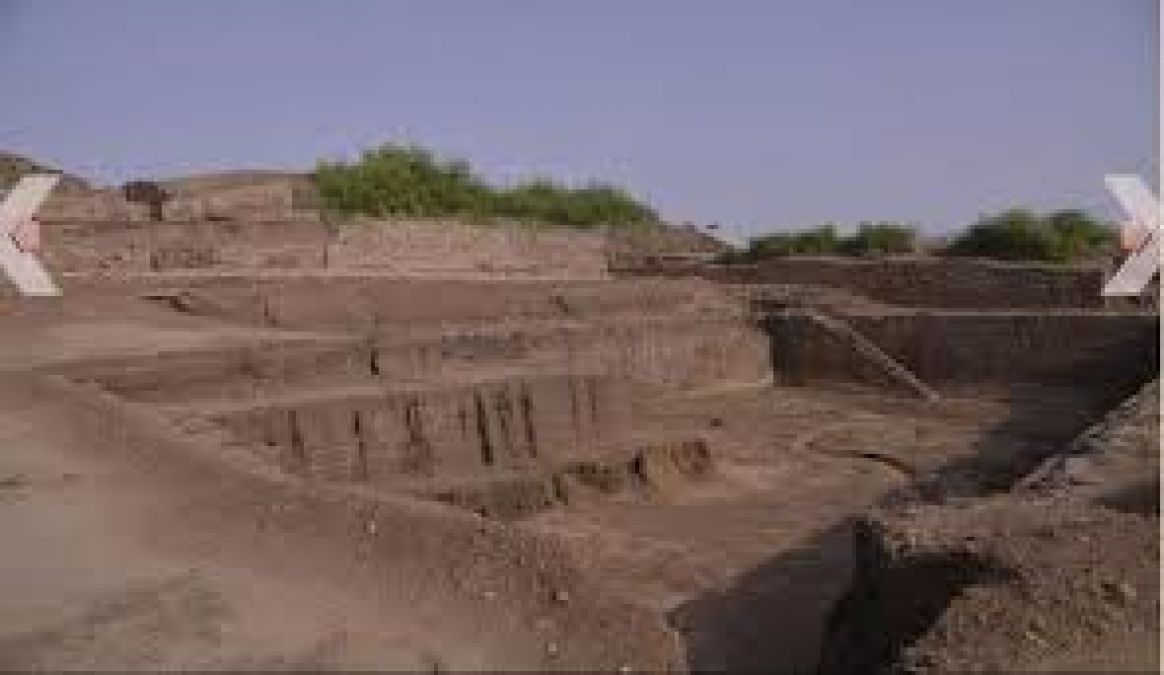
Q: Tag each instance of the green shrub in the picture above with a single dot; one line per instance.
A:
(822, 240)
(1078, 235)
(870, 239)
(409, 181)
(1020, 234)
(1015, 234)
(395, 180)
(881, 238)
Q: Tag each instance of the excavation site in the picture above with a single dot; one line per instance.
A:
(256, 442)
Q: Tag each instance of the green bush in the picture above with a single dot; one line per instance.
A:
(409, 181)
(1015, 234)
(822, 240)
(395, 180)
(543, 201)
(881, 238)
(1020, 234)
(870, 239)
(1078, 235)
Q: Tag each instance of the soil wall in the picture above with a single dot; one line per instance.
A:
(1050, 348)
(467, 429)
(957, 348)
(931, 282)
(430, 248)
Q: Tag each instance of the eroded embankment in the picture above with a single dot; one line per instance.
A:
(326, 456)
(500, 594)
(1060, 575)
(945, 348)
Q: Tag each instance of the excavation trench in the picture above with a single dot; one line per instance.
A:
(727, 515)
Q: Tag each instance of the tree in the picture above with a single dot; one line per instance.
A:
(1079, 235)
(881, 238)
(817, 241)
(1020, 234)
(870, 239)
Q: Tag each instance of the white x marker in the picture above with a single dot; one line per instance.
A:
(1139, 267)
(23, 267)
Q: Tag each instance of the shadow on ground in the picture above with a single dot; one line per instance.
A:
(772, 618)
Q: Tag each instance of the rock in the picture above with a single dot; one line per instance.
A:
(1078, 470)
(1034, 637)
(1121, 592)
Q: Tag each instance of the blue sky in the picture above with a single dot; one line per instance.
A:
(760, 115)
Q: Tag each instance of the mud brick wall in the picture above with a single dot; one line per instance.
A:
(431, 248)
(681, 334)
(225, 371)
(1107, 350)
(91, 245)
(804, 350)
(675, 333)
(682, 354)
(1065, 347)
(83, 246)
(362, 303)
(455, 430)
(95, 205)
(932, 282)
(646, 246)
(271, 201)
(445, 246)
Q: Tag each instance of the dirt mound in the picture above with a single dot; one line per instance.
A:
(1059, 575)
(1000, 585)
(1116, 461)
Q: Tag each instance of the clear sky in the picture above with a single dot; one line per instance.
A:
(760, 115)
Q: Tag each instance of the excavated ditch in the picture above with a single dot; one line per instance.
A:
(651, 440)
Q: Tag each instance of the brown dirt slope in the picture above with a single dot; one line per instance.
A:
(1116, 461)
(1060, 575)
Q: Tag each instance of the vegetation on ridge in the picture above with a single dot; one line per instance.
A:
(1020, 234)
(870, 239)
(409, 181)
(1016, 234)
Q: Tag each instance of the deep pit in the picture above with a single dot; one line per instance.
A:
(642, 473)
